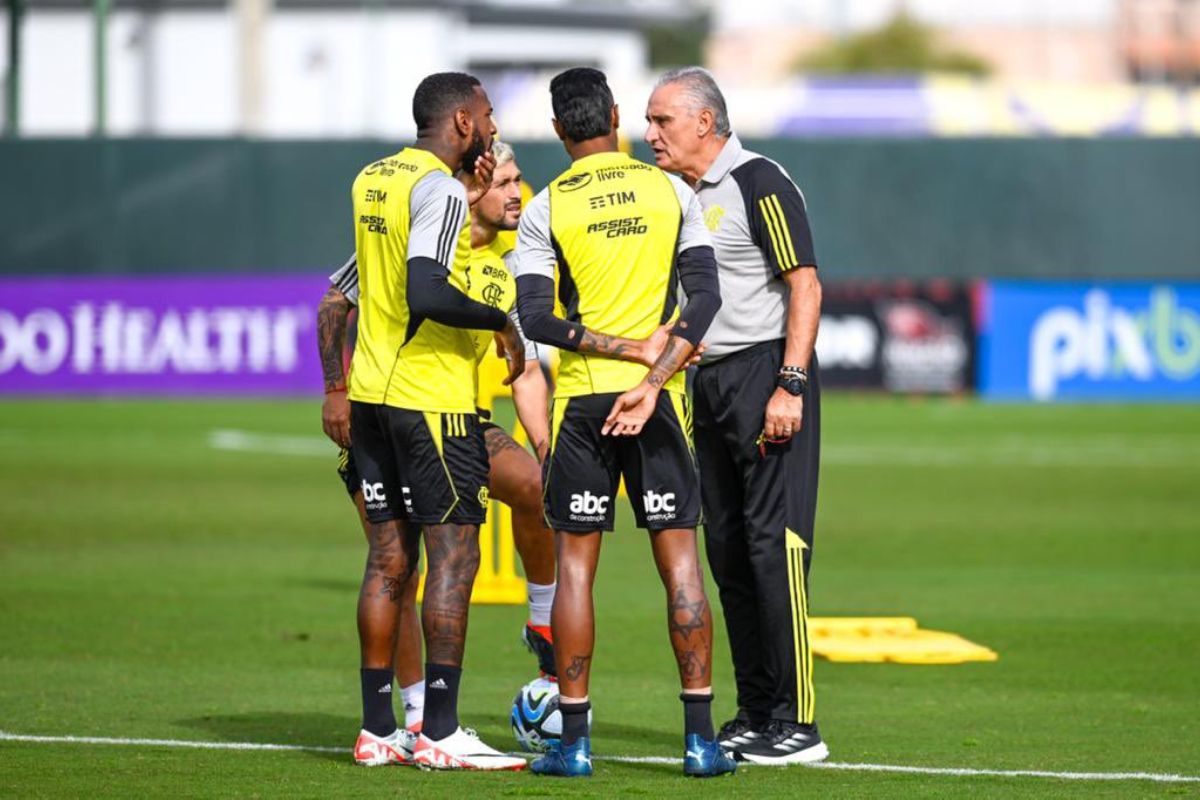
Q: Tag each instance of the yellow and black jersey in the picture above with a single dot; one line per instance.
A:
(614, 225)
(488, 278)
(491, 280)
(409, 206)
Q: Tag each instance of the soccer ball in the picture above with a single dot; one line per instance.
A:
(536, 720)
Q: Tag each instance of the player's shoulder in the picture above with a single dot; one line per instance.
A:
(758, 175)
(536, 212)
(440, 183)
(439, 194)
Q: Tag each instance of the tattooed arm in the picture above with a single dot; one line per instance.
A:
(332, 316)
(632, 409)
(535, 304)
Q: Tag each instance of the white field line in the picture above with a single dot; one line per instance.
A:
(1016, 451)
(272, 443)
(966, 772)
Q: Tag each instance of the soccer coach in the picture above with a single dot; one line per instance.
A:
(757, 413)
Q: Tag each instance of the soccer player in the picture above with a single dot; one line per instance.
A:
(417, 441)
(758, 414)
(622, 233)
(514, 476)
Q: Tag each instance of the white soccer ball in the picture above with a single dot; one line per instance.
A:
(536, 720)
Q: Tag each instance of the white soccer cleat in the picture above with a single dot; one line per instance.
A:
(378, 751)
(462, 750)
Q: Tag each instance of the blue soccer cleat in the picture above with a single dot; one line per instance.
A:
(566, 761)
(705, 759)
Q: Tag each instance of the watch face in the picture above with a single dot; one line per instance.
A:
(793, 386)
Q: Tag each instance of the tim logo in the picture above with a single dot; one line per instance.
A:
(406, 493)
(575, 182)
(373, 496)
(587, 505)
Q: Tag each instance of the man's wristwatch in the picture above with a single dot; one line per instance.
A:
(792, 380)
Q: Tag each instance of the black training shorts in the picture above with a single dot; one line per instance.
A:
(583, 470)
(422, 466)
(348, 472)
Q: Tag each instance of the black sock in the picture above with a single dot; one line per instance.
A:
(441, 700)
(575, 721)
(378, 717)
(697, 715)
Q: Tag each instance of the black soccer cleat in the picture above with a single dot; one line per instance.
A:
(541, 647)
(738, 733)
(783, 743)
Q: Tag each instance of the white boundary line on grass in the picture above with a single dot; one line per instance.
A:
(965, 772)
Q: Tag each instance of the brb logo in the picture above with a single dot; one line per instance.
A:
(1110, 341)
(588, 507)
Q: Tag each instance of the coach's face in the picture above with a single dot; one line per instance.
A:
(500, 208)
(673, 129)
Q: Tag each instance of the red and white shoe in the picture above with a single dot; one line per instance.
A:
(378, 751)
(462, 750)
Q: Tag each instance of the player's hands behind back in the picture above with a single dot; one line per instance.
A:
(654, 344)
(631, 411)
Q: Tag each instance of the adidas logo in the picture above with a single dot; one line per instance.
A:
(386, 689)
(438, 684)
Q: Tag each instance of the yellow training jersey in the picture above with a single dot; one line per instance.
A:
(490, 280)
(408, 206)
(615, 225)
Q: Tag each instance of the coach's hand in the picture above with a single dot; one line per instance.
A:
(631, 411)
(477, 184)
(514, 350)
(335, 417)
(784, 416)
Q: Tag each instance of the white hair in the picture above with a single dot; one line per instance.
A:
(503, 152)
(701, 90)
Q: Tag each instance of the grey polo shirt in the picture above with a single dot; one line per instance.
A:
(759, 227)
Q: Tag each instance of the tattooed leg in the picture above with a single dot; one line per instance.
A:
(388, 579)
(689, 618)
(515, 479)
(453, 554)
(572, 618)
(406, 658)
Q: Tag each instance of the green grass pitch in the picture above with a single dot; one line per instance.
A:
(153, 586)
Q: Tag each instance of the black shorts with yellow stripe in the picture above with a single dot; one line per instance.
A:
(348, 472)
(425, 467)
(583, 470)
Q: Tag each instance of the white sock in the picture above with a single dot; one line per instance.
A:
(414, 704)
(541, 598)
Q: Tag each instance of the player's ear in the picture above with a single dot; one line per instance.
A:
(616, 117)
(704, 122)
(464, 123)
(558, 130)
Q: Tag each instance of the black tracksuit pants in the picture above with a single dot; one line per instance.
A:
(760, 503)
